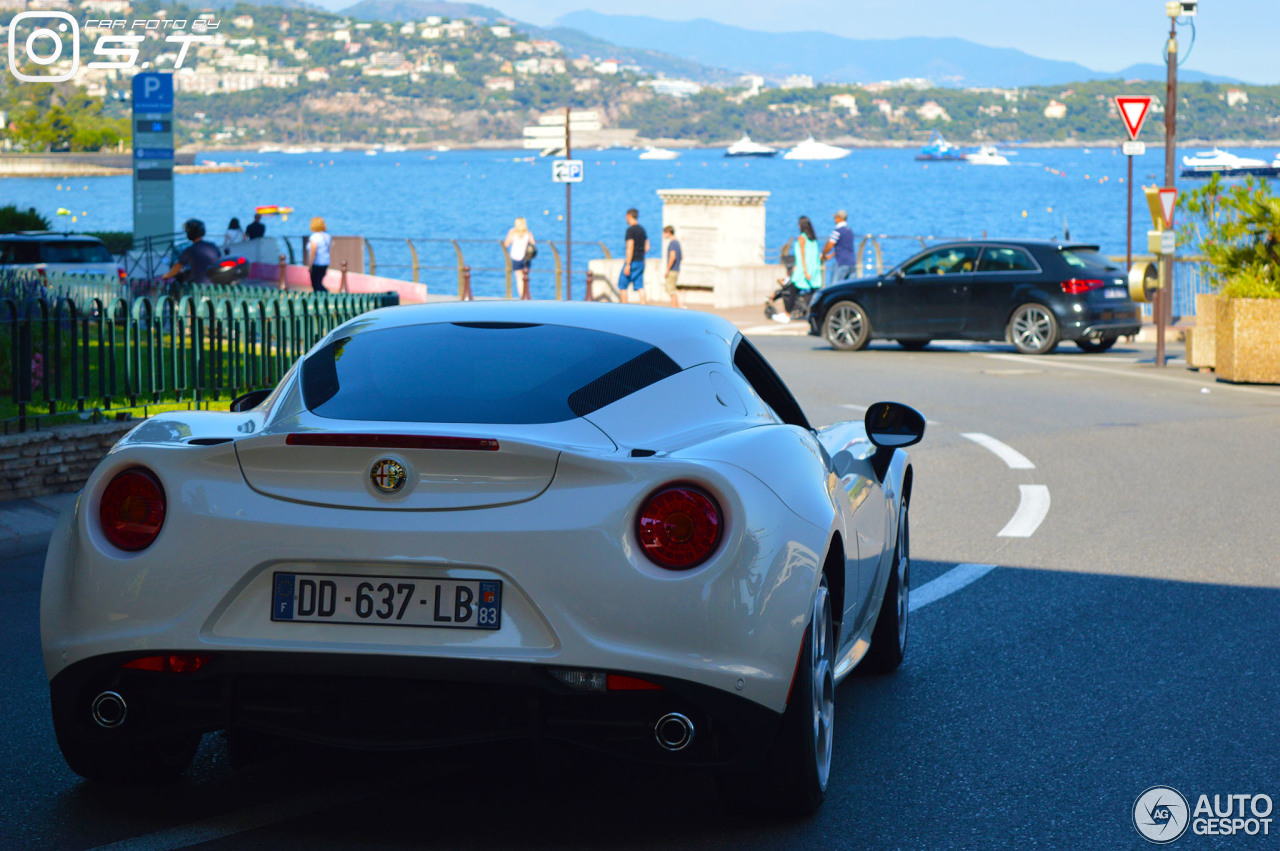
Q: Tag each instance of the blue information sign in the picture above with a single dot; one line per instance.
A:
(153, 153)
(152, 92)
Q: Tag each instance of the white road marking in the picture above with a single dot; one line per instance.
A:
(790, 329)
(240, 821)
(1133, 373)
(1031, 512)
(1015, 459)
(948, 583)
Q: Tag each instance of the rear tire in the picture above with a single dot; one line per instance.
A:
(1099, 345)
(794, 778)
(846, 326)
(1033, 330)
(889, 639)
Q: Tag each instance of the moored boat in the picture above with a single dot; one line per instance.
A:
(940, 149)
(986, 155)
(812, 149)
(1227, 164)
(744, 147)
(658, 154)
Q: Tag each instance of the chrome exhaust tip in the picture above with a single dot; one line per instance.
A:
(673, 731)
(109, 710)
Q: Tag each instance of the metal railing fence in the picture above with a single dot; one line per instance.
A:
(57, 357)
(425, 260)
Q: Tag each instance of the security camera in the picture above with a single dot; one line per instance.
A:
(1188, 7)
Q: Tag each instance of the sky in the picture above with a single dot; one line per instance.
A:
(1235, 38)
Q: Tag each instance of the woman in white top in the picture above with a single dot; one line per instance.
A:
(234, 235)
(519, 244)
(318, 253)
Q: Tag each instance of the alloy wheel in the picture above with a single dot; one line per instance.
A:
(824, 683)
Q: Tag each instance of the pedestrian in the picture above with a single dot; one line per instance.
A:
(840, 246)
(233, 235)
(807, 274)
(674, 255)
(318, 254)
(633, 262)
(192, 265)
(256, 229)
(521, 248)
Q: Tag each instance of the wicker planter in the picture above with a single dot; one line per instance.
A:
(1201, 339)
(1247, 344)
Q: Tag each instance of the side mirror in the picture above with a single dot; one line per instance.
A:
(898, 274)
(249, 400)
(890, 425)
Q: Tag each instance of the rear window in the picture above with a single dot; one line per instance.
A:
(478, 373)
(14, 251)
(1086, 258)
(72, 251)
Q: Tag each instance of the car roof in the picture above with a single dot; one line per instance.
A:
(47, 236)
(688, 337)
(1021, 243)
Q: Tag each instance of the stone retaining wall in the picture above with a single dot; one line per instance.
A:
(57, 460)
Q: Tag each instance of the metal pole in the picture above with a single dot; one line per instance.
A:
(568, 214)
(1128, 221)
(1170, 151)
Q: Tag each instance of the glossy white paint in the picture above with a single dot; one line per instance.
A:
(556, 527)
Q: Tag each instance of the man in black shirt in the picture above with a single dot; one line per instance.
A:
(633, 263)
(256, 230)
(195, 260)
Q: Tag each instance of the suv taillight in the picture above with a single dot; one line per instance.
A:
(132, 509)
(121, 273)
(1075, 286)
(679, 526)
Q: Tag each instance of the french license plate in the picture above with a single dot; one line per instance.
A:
(1114, 292)
(393, 600)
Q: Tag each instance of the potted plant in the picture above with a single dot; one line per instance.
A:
(1237, 229)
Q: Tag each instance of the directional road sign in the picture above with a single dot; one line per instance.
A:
(566, 171)
(1133, 111)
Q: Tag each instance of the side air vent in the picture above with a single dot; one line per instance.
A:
(646, 368)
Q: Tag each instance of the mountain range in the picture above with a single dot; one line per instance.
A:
(836, 59)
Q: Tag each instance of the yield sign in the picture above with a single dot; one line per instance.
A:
(1133, 111)
(1168, 197)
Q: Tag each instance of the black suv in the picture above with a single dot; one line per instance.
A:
(1030, 293)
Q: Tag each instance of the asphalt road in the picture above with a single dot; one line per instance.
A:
(1128, 637)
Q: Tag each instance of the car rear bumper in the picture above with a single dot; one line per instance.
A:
(397, 703)
(1085, 329)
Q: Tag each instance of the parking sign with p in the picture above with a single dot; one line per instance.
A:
(45, 41)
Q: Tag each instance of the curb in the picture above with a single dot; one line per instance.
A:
(27, 524)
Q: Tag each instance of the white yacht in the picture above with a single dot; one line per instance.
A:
(269, 149)
(744, 147)
(395, 149)
(986, 155)
(812, 149)
(1227, 164)
(295, 149)
(658, 154)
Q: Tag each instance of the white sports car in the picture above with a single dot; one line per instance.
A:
(605, 524)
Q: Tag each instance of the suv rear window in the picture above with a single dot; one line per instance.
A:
(1086, 258)
(478, 373)
(73, 251)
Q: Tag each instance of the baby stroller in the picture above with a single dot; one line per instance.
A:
(795, 301)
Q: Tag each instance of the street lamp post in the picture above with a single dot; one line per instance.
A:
(1164, 295)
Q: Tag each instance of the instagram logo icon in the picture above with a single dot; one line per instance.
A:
(44, 45)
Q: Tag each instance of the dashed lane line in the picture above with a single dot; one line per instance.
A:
(948, 583)
(1032, 509)
(1006, 453)
(1135, 373)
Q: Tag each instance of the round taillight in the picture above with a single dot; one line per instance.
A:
(679, 526)
(132, 509)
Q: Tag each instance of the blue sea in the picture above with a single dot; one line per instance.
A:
(473, 196)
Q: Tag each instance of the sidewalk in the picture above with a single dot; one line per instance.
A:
(26, 524)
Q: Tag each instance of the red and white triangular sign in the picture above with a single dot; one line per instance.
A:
(1133, 111)
(1168, 198)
